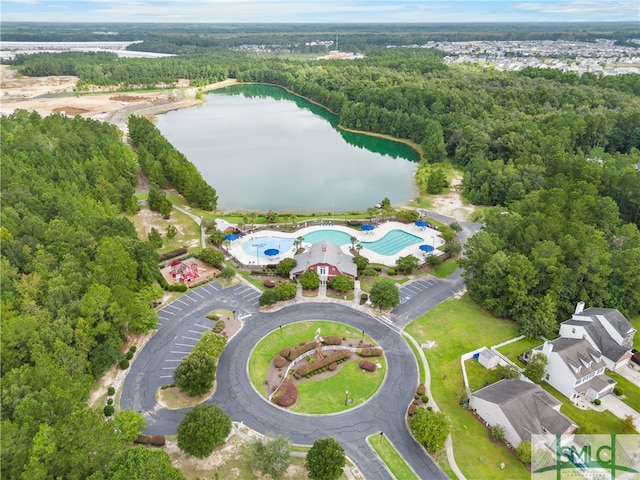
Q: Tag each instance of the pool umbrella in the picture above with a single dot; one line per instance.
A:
(367, 227)
(426, 248)
(232, 236)
(271, 252)
(422, 224)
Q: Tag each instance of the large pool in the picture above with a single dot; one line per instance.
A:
(390, 244)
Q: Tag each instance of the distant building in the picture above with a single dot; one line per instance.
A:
(327, 259)
(606, 329)
(523, 409)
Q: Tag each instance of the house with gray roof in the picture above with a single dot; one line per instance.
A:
(327, 259)
(575, 367)
(523, 409)
(606, 329)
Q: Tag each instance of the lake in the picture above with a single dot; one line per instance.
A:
(263, 149)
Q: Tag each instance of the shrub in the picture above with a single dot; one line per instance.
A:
(391, 271)
(421, 390)
(108, 410)
(597, 401)
(111, 391)
(143, 439)
(279, 361)
(425, 399)
(157, 441)
(269, 283)
(370, 352)
(295, 352)
(332, 340)
(364, 297)
(129, 355)
(212, 344)
(285, 352)
(212, 316)
(367, 366)
(318, 366)
(368, 272)
(124, 364)
(286, 289)
(429, 408)
(269, 297)
(618, 391)
(412, 409)
(287, 394)
(218, 327)
(332, 367)
(227, 273)
(109, 401)
(132, 349)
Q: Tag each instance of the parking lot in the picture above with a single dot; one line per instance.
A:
(410, 290)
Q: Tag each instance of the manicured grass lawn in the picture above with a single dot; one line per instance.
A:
(512, 350)
(588, 421)
(479, 377)
(630, 390)
(445, 269)
(394, 462)
(322, 396)
(255, 281)
(635, 321)
(459, 326)
(328, 395)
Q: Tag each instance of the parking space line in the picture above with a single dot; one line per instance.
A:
(168, 368)
(166, 376)
(184, 303)
(173, 306)
(172, 360)
(184, 345)
(197, 333)
(201, 326)
(173, 351)
(166, 311)
(196, 293)
(214, 286)
(190, 338)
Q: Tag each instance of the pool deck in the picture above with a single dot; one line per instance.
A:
(429, 236)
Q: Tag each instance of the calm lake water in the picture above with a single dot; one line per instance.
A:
(262, 148)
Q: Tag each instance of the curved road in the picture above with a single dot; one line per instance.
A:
(183, 321)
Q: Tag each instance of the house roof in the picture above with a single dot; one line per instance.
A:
(488, 354)
(590, 321)
(579, 355)
(529, 409)
(598, 383)
(325, 252)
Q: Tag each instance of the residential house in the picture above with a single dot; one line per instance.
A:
(523, 409)
(327, 259)
(575, 367)
(606, 329)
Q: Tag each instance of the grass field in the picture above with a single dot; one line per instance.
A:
(479, 376)
(459, 326)
(631, 390)
(322, 396)
(512, 350)
(394, 462)
(445, 269)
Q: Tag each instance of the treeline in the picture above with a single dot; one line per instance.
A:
(165, 165)
(75, 281)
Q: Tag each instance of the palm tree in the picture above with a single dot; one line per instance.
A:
(353, 240)
(298, 242)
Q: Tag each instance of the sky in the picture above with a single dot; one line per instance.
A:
(319, 11)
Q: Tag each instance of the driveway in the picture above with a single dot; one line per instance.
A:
(183, 321)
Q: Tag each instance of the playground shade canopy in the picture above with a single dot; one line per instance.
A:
(271, 252)
(426, 248)
(367, 227)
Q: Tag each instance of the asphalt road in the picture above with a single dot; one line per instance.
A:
(183, 321)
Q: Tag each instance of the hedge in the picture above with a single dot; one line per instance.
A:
(296, 351)
(318, 365)
(287, 394)
(367, 366)
(370, 352)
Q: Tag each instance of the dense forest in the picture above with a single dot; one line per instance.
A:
(76, 280)
(556, 155)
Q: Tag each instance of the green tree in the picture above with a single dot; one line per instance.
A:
(455, 226)
(310, 280)
(437, 182)
(407, 264)
(286, 290)
(341, 283)
(285, 266)
(172, 231)
(217, 237)
(430, 428)
(129, 424)
(384, 293)
(212, 344)
(270, 456)
(298, 242)
(270, 216)
(433, 146)
(325, 460)
(155, 197)
(195, 374)
(155, 239)
(269, 297)
(142, 463)
(202, 429)
(507, 371)
(165, 208)
(361, 262)
(523, 452)
(228, 273)
(353, 240)
(211, 256)
(534, 370)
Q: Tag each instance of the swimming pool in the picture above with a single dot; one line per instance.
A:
(390, 244)
(259, 244)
